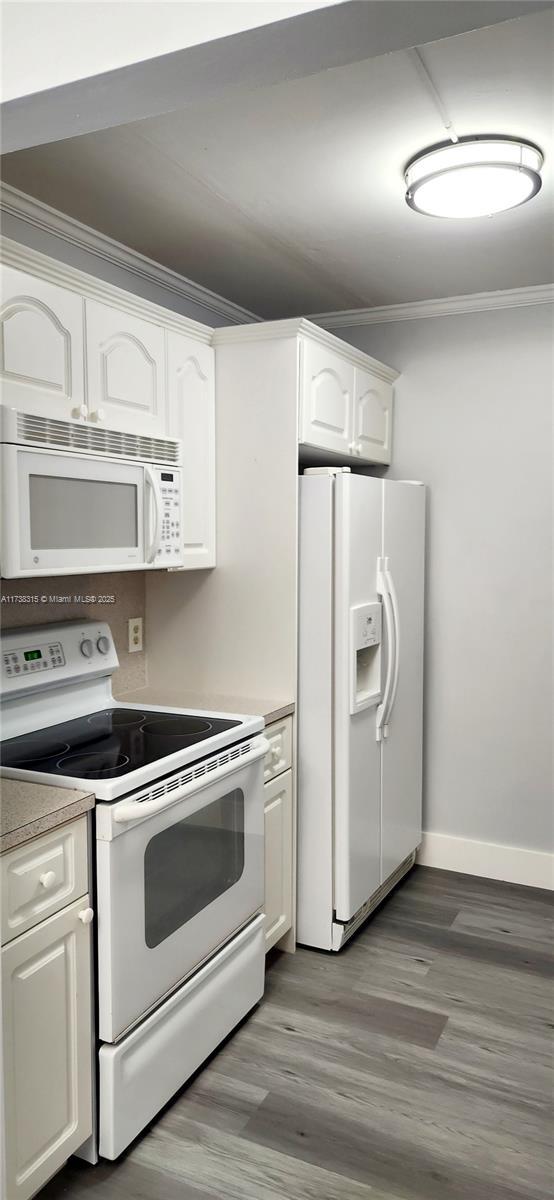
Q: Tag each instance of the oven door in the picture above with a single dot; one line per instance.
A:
(67, 513)
(180, 869)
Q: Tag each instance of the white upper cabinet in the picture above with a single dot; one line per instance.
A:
(41, 346)
(372, 417)
(125, 371)
(191, 417)
(326, 396)
(344, 397)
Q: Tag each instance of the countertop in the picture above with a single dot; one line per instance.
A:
(29, 809)
(270, 710)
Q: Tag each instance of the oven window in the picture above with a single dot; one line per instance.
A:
(81, 514)
(190, 864)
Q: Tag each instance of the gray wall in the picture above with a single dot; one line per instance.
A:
(473, 420)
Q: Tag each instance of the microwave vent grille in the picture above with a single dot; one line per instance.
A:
(113, 443)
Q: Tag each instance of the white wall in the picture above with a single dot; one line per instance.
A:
(74, 39)
(473, 420)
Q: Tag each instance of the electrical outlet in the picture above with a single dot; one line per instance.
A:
(135, 634)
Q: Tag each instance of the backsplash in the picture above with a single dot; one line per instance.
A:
(43, 601)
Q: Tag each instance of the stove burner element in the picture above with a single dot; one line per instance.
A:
(30, 749)
(118, 718)
(177, 726)
(92, 765)
(110, 744)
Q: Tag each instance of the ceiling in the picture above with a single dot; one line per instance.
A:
(289, 200)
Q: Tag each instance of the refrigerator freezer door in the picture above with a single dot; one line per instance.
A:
(404, 547)
(358, 537)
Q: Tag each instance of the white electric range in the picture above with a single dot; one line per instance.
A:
(179, 859)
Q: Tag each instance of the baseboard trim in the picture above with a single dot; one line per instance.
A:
(532, 868)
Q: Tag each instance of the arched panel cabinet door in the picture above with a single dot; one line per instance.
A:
(41, 346)
(326, 390)
(372, 417)
(192, 418)
(125, 371)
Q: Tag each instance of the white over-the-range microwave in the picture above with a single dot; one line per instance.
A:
(77, 498)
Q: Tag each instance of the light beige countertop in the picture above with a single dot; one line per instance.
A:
(29, 809)
(270, 710)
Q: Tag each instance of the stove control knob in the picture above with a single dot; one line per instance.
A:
(87, 647)
(103, 644)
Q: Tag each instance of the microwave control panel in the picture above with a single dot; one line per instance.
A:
(170, 543)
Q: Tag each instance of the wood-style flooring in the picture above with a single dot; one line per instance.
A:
(414, 1065)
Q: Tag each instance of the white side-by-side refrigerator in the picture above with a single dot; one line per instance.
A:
(361, 592)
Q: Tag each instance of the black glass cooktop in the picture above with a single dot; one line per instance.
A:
(108, 744)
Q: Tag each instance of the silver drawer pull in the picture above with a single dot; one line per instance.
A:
(48, 879)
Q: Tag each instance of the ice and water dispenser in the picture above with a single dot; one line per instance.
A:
(365, 655)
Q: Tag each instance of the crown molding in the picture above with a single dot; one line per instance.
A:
(448, 306)
(292, 328)
(33, 262)
(50, 220)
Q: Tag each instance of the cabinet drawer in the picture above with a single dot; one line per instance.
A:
(279, 755)
(42, 877)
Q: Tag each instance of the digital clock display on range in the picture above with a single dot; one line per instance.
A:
(29, 655)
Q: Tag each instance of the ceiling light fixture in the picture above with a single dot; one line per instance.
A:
(474, 177)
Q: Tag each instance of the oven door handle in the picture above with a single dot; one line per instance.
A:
(136, 810)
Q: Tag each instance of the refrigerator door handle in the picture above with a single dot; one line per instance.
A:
(396, 621)
(384, 592)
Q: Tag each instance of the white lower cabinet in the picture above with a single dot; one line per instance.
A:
(278, 857)
(46, 999)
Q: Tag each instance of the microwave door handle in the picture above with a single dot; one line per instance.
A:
(154, 545)
(135, 810)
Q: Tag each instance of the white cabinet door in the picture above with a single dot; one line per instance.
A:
(47, 1048)
(326, 395)
(278, 857)
(191, 417)
(125, 371)
(41, 346)
(372, 417)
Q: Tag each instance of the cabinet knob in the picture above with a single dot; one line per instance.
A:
(80, 413)
(359, 447)
(86, 915)
(98, 415)
(48, 879)
(352, 447)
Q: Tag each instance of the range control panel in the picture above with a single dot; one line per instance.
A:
(54, 654)
(47, 656)
(170, 553)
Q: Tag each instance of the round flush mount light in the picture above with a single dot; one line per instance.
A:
(474, 177)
